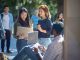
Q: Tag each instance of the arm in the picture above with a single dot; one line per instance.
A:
(11, 22)
(47, 30)
(41, 30)
(54, 51)
(49, 27)
(49, 53)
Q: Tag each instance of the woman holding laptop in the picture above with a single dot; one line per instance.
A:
(23, 23)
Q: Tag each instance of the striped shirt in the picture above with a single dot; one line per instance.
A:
(55, 49)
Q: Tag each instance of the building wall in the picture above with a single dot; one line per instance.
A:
(72, 30)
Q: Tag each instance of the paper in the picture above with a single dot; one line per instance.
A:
(23, 31)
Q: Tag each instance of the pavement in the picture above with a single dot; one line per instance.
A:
(12, 49)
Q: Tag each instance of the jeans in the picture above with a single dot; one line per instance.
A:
(20, 44)
(7, 40)
(26, 54)
(45, 41)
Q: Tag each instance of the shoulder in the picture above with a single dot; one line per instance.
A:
(10, 14)
(48, 20)
(39, 21)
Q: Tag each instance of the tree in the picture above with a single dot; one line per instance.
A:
(55, 6)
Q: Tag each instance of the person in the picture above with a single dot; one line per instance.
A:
(55, 49)
(35, 19)
(44, 26)
(23, 21)
(27, 53)
(7, 22)
(60, 17)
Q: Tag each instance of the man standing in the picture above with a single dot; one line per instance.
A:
(7, 22)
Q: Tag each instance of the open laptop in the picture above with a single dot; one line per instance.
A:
(32, 37)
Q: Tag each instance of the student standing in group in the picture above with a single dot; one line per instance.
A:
(44, 26)
(7, 22)
(23, 21)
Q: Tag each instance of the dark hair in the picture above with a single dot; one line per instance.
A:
(27, 18)
(58, 14)
(58, 26)
(5, 6)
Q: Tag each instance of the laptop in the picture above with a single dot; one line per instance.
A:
(32, 37)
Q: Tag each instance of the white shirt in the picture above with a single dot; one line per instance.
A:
(6, 21)
(55, 49)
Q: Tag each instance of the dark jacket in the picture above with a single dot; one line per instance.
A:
(45, 25)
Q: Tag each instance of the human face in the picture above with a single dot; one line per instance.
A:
(61, 15)
(42, 13)
(6, 9)
(54, 33)
(23, 16)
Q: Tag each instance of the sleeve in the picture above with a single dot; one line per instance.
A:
(31, 23)
(11, 23)
(39, 22)
(1, 26)
(49, 27)
(49, 53)
(54, 51)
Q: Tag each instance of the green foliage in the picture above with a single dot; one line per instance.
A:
(31, 5)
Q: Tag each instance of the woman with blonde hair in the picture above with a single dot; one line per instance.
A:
(44, 26)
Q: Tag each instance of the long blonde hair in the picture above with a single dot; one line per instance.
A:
(46, 10)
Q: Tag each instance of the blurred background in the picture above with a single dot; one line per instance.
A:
(55, 6)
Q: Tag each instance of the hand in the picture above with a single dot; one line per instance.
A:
(35, 50)
(20, 35)
(41, 30)
(42, 48)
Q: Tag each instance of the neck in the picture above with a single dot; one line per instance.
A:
(56, 35)
(43, 17)
(23, 19)
(6, 13)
